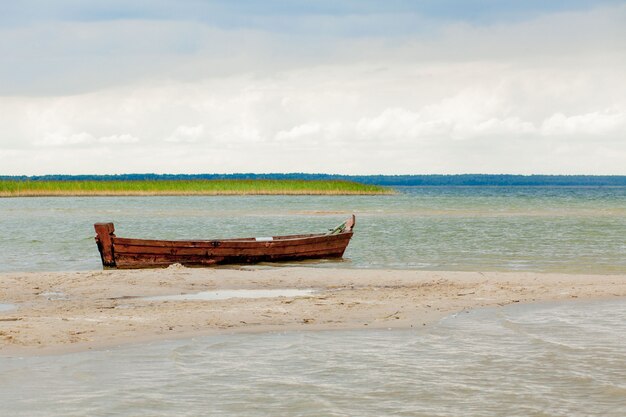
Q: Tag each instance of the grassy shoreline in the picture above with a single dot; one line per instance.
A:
(185, 188)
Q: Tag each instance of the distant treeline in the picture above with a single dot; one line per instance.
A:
(385, 180)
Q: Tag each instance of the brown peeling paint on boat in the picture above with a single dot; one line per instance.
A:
(126, 253)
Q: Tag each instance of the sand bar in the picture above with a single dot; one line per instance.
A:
(59, 312)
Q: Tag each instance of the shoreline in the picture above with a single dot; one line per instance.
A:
(64, 312)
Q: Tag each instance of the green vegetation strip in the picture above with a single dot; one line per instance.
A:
(184, 187)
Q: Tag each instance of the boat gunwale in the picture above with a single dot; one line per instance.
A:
(288, 239)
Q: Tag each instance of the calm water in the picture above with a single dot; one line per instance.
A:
(437, 228)
(543, 360)
(539, 360)
(226, 294)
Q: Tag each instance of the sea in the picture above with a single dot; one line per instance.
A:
(549, 359)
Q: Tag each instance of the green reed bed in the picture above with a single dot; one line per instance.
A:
(186, 187)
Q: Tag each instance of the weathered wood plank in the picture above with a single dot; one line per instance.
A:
(232, 243)
(119, 252)
(104, 240)
(261, 247)
(152, 260)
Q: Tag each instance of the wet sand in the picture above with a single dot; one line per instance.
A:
(61, 312)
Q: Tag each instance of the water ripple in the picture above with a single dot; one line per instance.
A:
(553, 360)
(565, 229)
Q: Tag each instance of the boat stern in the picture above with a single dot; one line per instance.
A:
(105, 232)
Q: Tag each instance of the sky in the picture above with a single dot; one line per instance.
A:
(343, 86)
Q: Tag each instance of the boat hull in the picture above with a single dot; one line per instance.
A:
(126, 253)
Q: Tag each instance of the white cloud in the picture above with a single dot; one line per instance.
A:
(520, 98)
(83, 138)
(306, 131)
(118, 139)
(597, 123)
(185, 133)
(393, 124)
(57, 139)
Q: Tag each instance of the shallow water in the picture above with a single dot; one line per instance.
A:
(556, 229)
(226, 294)
(7, 307)
(541, 360)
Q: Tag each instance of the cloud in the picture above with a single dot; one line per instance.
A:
(392, 120)
(398, 124)
(306, 131)
(118, 139)
(598, 123)
(83, 139)
(543, 95)
(186, 134)
(77, 49)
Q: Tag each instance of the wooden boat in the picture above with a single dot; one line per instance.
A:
(125, 253)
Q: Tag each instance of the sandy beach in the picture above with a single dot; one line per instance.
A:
(73, 311)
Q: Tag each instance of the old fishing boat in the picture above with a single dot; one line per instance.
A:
(126, 253)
